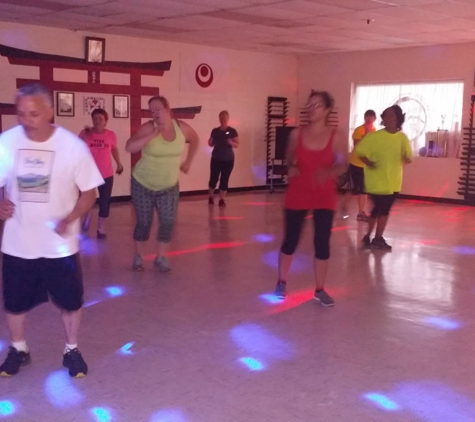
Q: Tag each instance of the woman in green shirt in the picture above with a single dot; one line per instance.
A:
(161, 142)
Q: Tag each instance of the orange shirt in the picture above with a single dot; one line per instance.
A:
(359, 133)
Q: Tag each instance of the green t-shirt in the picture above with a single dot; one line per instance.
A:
(159, 166)
(387, 151)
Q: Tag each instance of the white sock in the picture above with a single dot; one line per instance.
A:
(69, 347)
(21, 346)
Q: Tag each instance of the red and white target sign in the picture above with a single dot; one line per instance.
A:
(204, 75)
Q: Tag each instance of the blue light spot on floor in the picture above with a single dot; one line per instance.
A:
(125, 349)
(263, 238)
(115, 291)
(271, 298)
(434, 402)
(61, 391)
(261, 343)
(382, 401)
(101, 414)
(443, 323)
(252, 364)
(168, 415)
(464, 250)
(7, 408)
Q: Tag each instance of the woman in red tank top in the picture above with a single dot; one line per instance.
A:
(316, 154)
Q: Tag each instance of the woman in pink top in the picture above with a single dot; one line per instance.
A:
(102, 143)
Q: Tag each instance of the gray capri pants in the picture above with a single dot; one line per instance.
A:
(145, 200)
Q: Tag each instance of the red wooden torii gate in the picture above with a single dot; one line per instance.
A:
(48, 62)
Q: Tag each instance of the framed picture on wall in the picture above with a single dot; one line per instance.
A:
(95, 50)
(65, 104)
(120, 106)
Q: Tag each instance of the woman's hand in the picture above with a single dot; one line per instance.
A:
(185, 167)
(7, 208)
(120, 169)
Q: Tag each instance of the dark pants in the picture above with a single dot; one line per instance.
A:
(323, 222)
(382, 205)
(105, 193)
(145, 201)
(223, 169)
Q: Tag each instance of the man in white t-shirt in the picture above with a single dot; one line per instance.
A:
(48, 179)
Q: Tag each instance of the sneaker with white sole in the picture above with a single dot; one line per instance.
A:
(281, 290)
(137, 265)
(324, 298)
(162, 264)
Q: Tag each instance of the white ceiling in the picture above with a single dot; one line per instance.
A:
(275, 26)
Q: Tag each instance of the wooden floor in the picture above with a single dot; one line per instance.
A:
(208, 343)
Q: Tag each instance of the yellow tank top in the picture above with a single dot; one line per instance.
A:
(159, 166)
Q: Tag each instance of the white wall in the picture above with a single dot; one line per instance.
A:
(243, 82)
(338, 72)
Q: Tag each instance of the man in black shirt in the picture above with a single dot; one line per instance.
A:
(223, 139)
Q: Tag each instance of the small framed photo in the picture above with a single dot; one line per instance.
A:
(95, 50)
(65, 104)
(121, 106)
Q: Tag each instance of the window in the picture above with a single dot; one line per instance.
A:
(428, 107)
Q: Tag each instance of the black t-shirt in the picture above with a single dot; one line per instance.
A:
(222, 151)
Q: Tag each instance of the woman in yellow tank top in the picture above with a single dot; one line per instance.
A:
(155, 177)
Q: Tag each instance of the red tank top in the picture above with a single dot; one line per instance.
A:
(303, 191)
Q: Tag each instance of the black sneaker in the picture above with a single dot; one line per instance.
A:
(75, 363)
(281, 290)
(324, 298)
(222, 203)
(366, 242)
(380, 243)
(14, 361)
(210, 201)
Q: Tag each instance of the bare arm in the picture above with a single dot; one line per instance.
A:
(116, 156)
(292, 165)
(83, 205)
(234, 142)
(340, 149)
(193, 140)
(142, 137)
(211, 141)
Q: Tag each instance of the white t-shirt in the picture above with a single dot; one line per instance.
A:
(43, 180)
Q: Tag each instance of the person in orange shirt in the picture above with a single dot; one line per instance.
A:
(357, 166)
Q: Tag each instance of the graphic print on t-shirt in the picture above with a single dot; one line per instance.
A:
(33, 171)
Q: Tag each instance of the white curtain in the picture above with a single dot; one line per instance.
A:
(428, 107)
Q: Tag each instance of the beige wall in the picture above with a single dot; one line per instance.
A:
(244, 81)
(338, 73)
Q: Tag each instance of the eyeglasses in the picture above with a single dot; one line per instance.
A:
(314, 105)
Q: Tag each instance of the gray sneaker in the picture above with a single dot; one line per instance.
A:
(281, 290)
(324, 298)
(162, 264)
(137, 265)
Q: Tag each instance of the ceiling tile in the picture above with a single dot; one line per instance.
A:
(309, 8)
(411, 14)
(454, 9)
(272, 12)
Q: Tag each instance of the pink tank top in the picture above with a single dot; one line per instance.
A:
(303, 191)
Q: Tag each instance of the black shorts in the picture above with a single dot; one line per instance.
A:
(382, 204)
(30, 282)
(357, 179)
